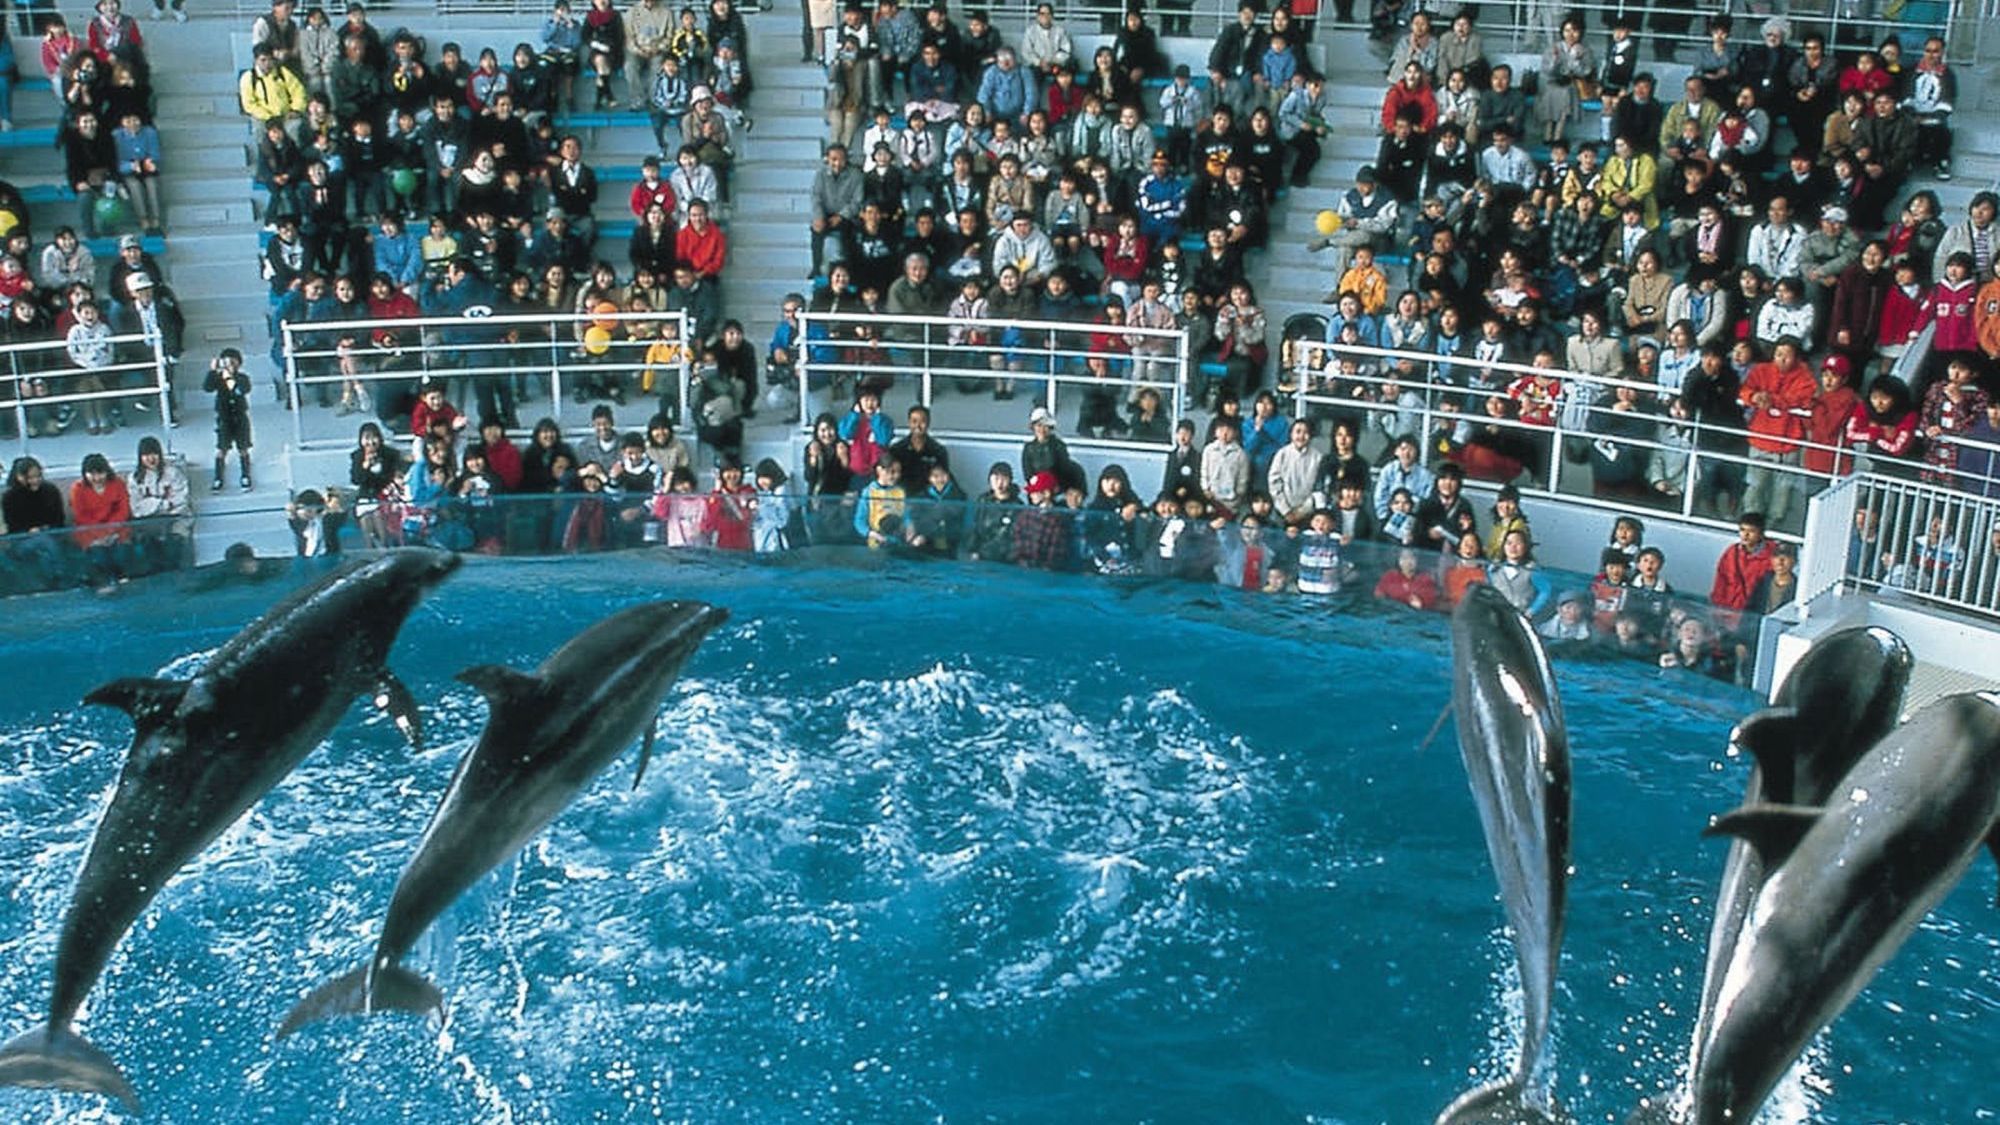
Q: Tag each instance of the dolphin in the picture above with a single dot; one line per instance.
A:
(203, 751)
(1841, 698)
(1858, 875)
(547, 735)
(1516, 750)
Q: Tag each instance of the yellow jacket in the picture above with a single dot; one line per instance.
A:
(1634, 175)
(1369, 284)
(276, 94)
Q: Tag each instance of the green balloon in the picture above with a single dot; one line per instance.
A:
(110, 211)
(404, 180)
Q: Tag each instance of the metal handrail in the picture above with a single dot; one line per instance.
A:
(552, 359)
(1044, 348)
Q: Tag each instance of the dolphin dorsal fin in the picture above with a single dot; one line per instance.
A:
(502, 686)
(1774, 830)
(1771, 736)
(149, 701)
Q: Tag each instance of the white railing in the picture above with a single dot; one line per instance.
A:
(46, 392)
(1043, 362)
(554, 353)
(1523, 25)
(1924, 541)
(1423, 405)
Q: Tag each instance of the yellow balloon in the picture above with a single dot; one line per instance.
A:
(1326, 222)
(597, 340)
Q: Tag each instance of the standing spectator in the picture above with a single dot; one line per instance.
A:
(88, 344)
(1778, 394)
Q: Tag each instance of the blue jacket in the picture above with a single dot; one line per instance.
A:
(473, 299)
(1006, 93)
(134, 147)
(400, 257)
(1261, 442)
(878, 424)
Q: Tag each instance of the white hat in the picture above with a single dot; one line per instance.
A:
(1041, 414)
(700, 94)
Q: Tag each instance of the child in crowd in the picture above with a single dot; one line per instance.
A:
(316, 523)
(231, 388)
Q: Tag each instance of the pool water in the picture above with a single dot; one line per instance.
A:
(932, 844)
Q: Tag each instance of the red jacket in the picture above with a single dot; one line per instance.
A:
(1901, 314)
(399, 306)
(1421, 101)
(421, 417)
(1062, 105)
(1828, 426)
(1883, 439)
(729, 517)
(504, 458)
(88, 506)
(704, 250)
(643, 197)
(1952, 307)
(1394, 587)
(1736, 574)
(1775, 428)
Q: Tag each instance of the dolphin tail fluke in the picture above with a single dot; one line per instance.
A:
(57, 1059)
(1503, 1100)
(393, 989)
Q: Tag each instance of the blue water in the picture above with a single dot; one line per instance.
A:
(932, 844)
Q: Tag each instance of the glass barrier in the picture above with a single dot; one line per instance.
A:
(1334, 565)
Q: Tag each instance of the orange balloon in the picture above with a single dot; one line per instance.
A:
(606, 313)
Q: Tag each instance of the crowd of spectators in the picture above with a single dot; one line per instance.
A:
(405, 182)
(1755, 256)
(54, 290)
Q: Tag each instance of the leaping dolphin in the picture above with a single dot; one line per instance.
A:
(1857, 877)
(1516, 751)
(1841, 698)
(547, 736)
(203, 751)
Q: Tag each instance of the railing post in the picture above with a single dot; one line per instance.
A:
(292, 388)
(682, 375)
(164, 378)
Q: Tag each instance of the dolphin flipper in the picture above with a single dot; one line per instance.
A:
(46, 1058)
(396, 701)
(646, 751)
(1501, 1102)
(1773, 829)
(393, 989)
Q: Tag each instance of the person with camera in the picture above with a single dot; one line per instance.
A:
(231, 387)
